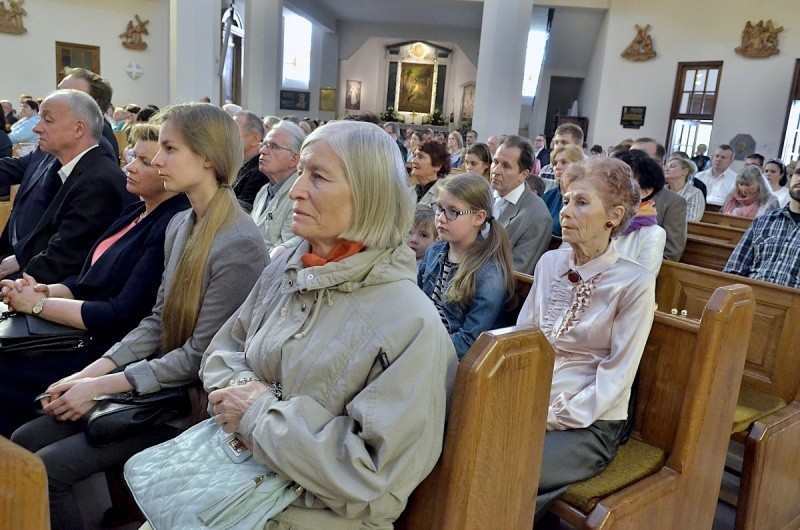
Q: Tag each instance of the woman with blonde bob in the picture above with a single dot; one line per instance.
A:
(213, 256)
(679, 175)
(336, 369)
(751, 197)
(468, 273)
(562, 157)
(595, 306)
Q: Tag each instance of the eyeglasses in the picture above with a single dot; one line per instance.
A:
(451, 214)
(272, 146)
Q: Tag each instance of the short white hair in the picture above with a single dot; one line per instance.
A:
(382, 195)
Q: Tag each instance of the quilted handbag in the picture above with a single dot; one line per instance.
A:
(190, 482)
(119, 416)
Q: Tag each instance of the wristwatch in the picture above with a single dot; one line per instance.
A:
(38, 307)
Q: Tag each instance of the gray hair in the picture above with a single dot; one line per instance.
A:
(270, 121)
(296, 134)
(252, 123)
(84, 108)
(383, 198)
(752, 175)
(393, 126)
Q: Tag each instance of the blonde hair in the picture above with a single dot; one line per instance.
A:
(571, 152)
(473, 190)
(383, 199)
(209, 132)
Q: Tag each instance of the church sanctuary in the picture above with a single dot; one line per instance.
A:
(638, 367)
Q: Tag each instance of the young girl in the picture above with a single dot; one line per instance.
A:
(213, 256)
(424, 231)
(468, 273)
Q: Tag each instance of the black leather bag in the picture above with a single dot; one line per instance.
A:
(30, 335)
(119, 416)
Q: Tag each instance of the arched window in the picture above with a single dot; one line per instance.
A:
(232, 56)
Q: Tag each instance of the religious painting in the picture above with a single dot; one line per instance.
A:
(69, 55)
(416, 88)
(327, 99)
(352, 100)
(295, 100)
(467, 102)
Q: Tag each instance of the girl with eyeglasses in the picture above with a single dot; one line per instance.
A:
(468, 272)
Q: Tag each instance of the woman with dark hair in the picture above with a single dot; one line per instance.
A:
(595, 306)
(479, 160)
(777, 176)
(431, 162)
(213, 255)
(751, 197)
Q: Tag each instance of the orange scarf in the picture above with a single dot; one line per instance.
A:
(343, 249)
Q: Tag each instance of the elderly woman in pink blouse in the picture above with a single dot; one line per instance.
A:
(596, 307)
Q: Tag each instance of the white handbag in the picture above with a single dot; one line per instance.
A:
(190, 482)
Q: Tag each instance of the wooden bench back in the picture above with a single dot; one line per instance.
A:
(23, 489)
(706, 252)
(489, 470)
(772, 363)
(726, 234)
(722, 219)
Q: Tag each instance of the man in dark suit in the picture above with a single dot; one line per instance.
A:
(521, 212)
(540, 150)
(249, 180)
(90, 195)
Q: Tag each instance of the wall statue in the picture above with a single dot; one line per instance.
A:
(641, 47)
(11, 17)
(759, 40)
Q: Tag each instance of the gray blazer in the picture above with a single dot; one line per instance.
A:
(236, 259)
(671, 216)
(529, 227)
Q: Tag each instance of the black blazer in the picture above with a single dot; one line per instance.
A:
(120, 289)
(87, 203)
(249, 182)
(30, 202)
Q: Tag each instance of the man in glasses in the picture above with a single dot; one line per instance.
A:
(521, 212)
(278, 158)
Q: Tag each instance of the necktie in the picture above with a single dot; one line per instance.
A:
(498, 207)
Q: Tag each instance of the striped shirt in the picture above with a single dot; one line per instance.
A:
(449, 270)
(768, 251)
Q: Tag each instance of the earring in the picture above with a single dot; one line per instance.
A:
(609, 224)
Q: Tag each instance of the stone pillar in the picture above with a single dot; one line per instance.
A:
(263, 56)
(194, 37)
(501, 66)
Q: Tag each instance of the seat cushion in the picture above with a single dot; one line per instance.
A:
(753, 405)
(634, 461)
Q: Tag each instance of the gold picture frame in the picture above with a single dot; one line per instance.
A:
(327, 99)
(71, 55)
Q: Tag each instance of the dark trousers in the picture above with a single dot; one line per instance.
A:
(25, 376)
(69, 458)
(574, 455)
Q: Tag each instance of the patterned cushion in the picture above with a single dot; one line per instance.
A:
(634, 461)
(752, 406)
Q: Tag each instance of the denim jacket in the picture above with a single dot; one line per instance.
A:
(465, 323)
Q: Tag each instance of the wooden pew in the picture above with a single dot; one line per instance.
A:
(23, 489)
(726, 234)
(768, 412)
(667, 476)
(716, 218)
(488, 474)
(706, 252)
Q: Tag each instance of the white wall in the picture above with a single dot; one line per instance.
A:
(29, 59)
(753, 92)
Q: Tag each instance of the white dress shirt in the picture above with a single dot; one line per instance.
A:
(717, 188)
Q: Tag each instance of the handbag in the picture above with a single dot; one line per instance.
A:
(33, 336)
(119, 416)
(190, 482)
